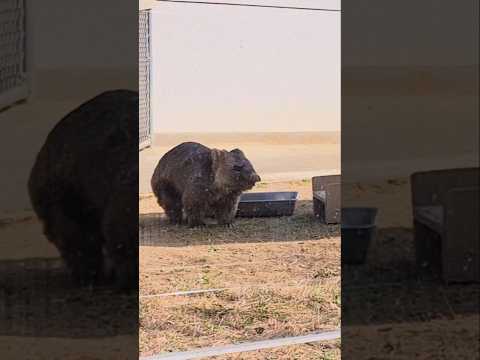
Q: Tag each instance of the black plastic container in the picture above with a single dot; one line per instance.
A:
(267, 204)
(358, 227)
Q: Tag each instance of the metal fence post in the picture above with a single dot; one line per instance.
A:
(144, 62)
(14, 82)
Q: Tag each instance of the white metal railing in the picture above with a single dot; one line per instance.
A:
(13, 65)
(144, 85)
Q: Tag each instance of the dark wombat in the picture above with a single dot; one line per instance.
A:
(84, 189)
(199, 181)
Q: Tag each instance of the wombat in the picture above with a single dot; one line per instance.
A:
(200, 181)
(84, 189)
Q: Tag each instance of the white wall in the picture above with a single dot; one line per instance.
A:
(221, 69)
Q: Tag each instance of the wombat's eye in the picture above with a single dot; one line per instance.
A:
(237, 167)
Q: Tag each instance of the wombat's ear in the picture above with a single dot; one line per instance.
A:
(238, 152)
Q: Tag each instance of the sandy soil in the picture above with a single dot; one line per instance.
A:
(302, 226)
(239, 265)
(390, 310)
(436, 339)
(274, 290)
(383, 300)
(22, 238)
(282, 275)
(51, 348)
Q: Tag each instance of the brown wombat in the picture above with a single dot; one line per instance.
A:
(200, 181)
(84, 189)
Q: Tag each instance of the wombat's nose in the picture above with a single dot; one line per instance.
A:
(256, 178)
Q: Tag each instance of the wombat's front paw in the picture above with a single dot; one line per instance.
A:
(228, 225)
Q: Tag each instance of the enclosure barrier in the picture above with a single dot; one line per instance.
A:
(13, 66)
(248, 346)
(144, 75)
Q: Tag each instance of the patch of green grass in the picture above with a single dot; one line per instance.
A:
(337, 299)
(325, 273)
(327, 356)
(204, 279)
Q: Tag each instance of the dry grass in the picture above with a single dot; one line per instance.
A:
(302, 226)
(154, 231)
(181, 323)
(276, 289)
(282, 275)
(218, 266)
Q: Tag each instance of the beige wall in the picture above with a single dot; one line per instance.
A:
(409, 87)
(91, 60)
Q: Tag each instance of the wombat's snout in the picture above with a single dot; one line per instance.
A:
(255, 178)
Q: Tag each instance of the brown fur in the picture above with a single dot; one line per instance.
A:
(198, 181)
(84, 189)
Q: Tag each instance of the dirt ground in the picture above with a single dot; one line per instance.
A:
(302, 225)
(384, 300)
(40, 307)
(60, 348)
(300, 253)
(281, 277)
(389, 309)
(434, 339)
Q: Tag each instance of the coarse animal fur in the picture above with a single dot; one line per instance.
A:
(84, 189)
(198, 181)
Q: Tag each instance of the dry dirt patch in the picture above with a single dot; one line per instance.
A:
(218, 266)
(436, 339)
(275, 290)
(155, 230)
(282, 277)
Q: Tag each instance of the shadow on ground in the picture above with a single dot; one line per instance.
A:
(154, 230)
(389, 289)
(37, 299)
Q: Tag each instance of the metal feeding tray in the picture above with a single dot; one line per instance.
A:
(267, 204)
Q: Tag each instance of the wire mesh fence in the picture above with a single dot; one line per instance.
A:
(13, 72)
(145, 121)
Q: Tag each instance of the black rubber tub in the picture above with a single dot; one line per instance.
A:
(267, 204)
(358, 227)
